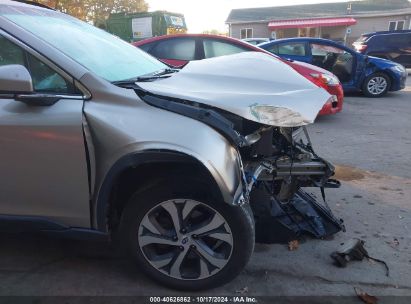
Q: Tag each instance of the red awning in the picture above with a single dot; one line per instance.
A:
(320, 22)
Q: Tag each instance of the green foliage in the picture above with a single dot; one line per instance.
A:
(95, 11)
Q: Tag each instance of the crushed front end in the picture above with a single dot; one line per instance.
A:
(278, 163)
(262, 112)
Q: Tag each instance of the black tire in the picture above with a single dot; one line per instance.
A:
(374, 78)
(238, 218)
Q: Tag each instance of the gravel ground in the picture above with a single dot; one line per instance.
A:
(370, 142)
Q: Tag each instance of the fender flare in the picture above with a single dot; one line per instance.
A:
(101, 202)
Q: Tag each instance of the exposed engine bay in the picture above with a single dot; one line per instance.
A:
(278, 163)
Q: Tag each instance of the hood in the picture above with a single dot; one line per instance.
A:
(377, 60)
(253, 85)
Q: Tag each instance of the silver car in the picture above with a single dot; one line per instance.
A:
(100, 140)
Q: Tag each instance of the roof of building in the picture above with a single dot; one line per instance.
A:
(318, 10)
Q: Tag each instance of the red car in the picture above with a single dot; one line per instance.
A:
(177, 50)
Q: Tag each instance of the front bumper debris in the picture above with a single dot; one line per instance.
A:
(277, 222)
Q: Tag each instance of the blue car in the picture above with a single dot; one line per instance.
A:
(357, 72)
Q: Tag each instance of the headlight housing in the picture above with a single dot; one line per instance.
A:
(328, 79)
(277, 116)
(399, 68)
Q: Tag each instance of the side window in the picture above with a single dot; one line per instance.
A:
(10, 53)
(214, 48)
(146, 47)
(294, 49)
(323, 50)
(179, 49)
(400, 40)
(44, 78)
(273, 49)
(391, 40)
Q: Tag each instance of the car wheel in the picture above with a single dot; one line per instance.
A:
(376, 85)
(185, 239)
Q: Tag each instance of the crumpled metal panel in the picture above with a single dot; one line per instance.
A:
(253, 85)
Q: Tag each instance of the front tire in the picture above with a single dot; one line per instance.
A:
(185, 239)
(376, 85)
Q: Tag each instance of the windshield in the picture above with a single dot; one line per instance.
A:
(100, 52)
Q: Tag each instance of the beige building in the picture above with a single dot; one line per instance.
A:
(344, 21)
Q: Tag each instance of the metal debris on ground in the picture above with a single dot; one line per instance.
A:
(354, 250)
(394, 243)
(242, 290)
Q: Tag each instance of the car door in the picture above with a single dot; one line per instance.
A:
(338, 60)
(175, 51)
(402, 48)
(291, 50)
(43, 167)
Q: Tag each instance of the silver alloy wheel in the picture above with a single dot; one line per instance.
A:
(377, 85)
(185, 239)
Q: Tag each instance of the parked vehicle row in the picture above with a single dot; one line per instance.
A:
(101, 140)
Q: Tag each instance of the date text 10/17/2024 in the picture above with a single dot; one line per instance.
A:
(203, 299)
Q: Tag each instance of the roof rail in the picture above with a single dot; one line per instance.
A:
(387, 32)
(34, 4)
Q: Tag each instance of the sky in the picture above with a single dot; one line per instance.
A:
(204, 15)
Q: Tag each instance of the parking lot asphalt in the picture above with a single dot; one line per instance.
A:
(370, 142)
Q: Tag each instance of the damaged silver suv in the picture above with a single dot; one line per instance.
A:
(99, 139)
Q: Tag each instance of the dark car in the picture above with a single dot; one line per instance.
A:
(357, 72)
(392, 45)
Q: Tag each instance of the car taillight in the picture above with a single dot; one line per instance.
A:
(361, 47)
(328, 79)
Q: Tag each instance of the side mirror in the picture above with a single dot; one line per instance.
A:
(15, 79)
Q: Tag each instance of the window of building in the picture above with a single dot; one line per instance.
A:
(396, 25)
(246, 33)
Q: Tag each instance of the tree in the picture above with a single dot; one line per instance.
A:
(215, 32)
(74, 8)
(95, 11)
(99, 10)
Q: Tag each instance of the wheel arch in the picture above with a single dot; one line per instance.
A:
(390, 76)
(144, 168)
(386, 72)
